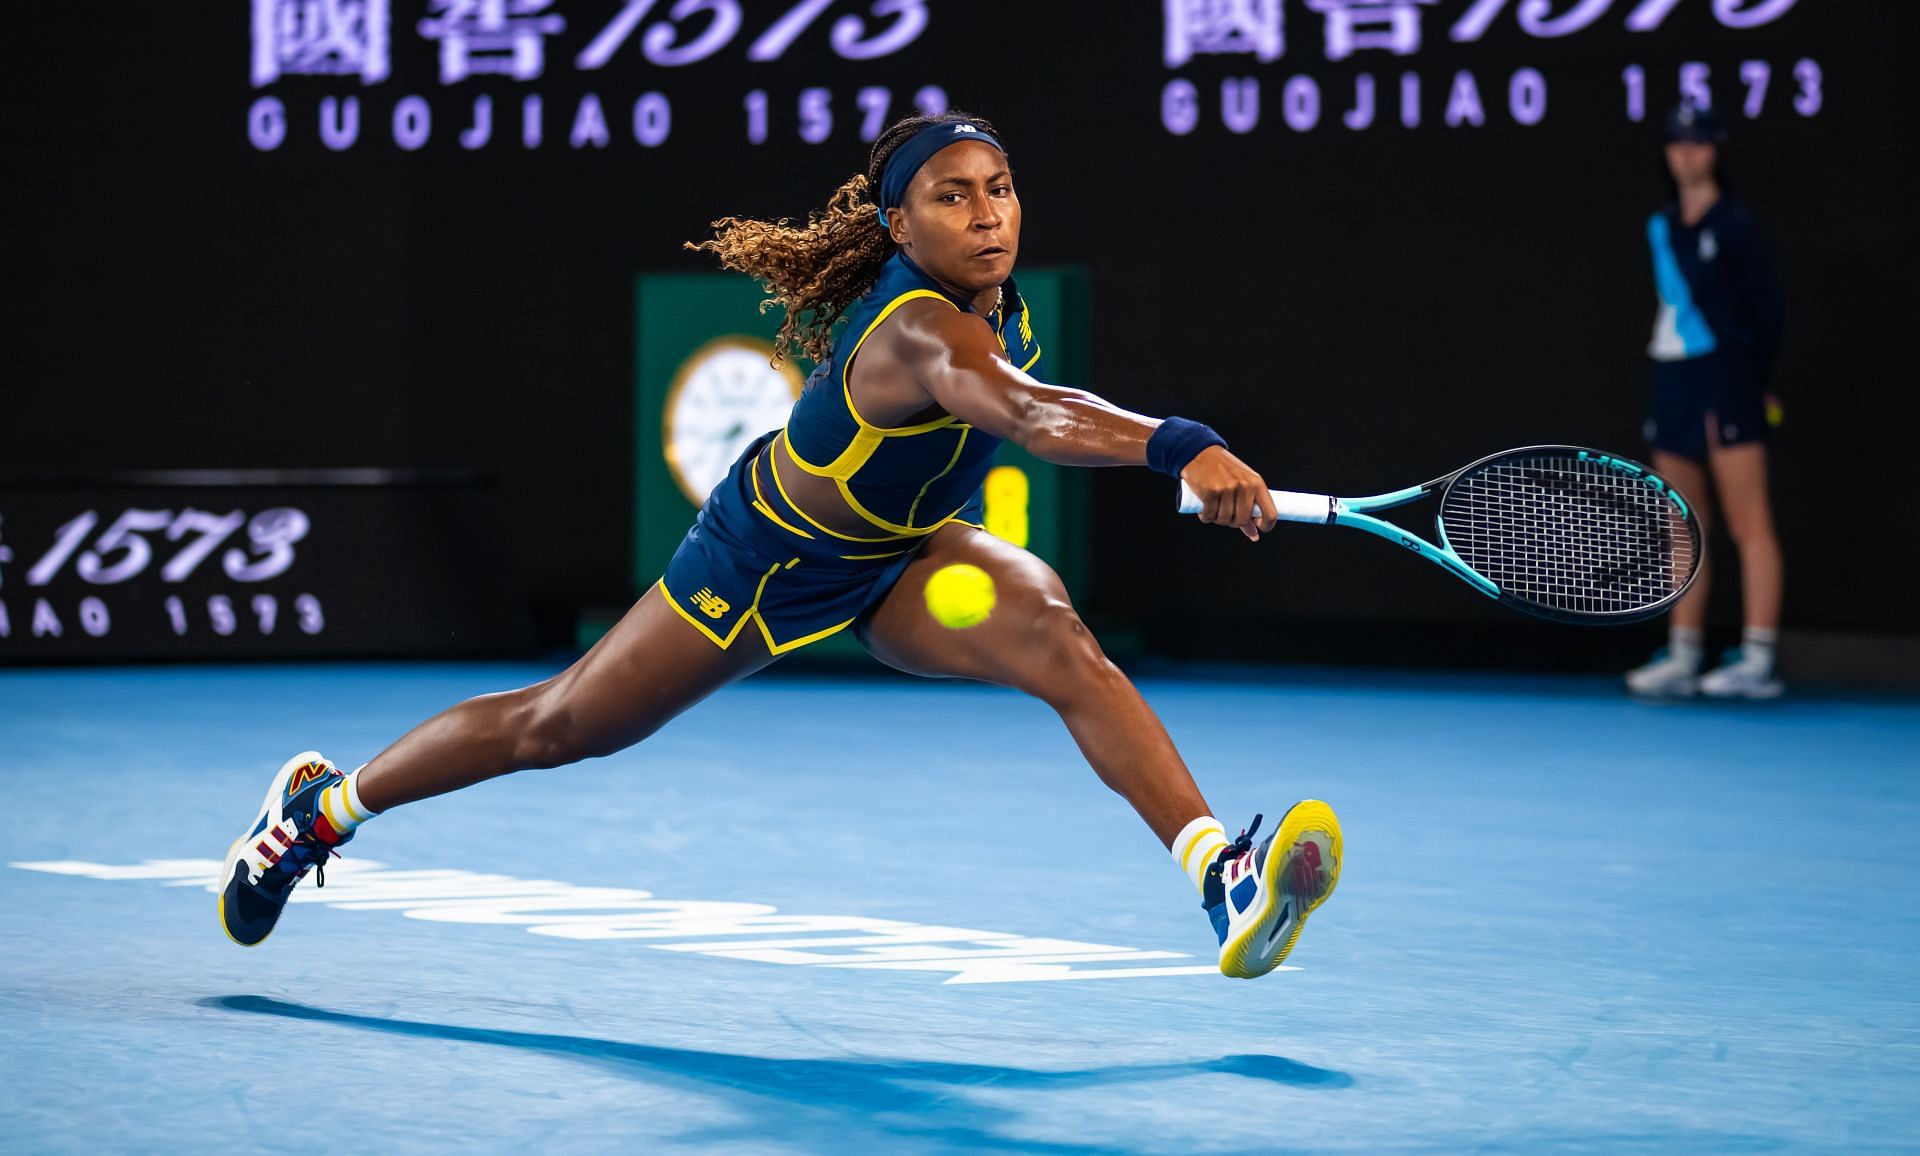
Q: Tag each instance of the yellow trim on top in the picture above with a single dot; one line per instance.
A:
(811, 520)
(1026, 322)
(866, 439)
(787, 437)
(859, 449)
(867, 436)
(853, 503)
(1031, 360)
(951, 462)
(760, 504)
(846, 367)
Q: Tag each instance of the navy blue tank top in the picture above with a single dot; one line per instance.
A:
(907, 481)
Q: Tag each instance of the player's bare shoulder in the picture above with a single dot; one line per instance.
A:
(888, 366)
(930, 331)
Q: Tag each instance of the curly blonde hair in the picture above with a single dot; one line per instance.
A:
(815, 271)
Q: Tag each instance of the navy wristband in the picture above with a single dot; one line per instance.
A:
(1177, 442)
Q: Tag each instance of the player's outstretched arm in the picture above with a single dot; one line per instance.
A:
(962, 367)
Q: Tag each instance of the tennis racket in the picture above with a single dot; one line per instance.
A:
(1571, 534)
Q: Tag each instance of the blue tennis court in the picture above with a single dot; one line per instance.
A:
(1568, 922)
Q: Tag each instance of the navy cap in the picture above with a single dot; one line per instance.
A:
(1697, 123)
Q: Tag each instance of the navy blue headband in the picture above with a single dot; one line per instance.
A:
(916, 151)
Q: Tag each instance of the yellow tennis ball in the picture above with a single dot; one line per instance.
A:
(960, 595)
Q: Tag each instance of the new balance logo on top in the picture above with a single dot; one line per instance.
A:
(709, 603)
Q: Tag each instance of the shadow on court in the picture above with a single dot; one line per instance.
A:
(913, 1097)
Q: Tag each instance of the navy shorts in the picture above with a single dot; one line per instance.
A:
(751, 556)
(1720, 387)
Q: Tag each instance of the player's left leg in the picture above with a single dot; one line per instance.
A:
(1258, 897)
(649, 668)
(1740, 474)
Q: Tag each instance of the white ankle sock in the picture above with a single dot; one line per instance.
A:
(1196, 845)
(1757, 642)
(1686, 644)
(342, 806)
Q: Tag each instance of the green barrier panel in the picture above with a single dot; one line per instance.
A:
(703, 390)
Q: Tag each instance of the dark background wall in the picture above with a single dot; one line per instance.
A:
(1356, 310)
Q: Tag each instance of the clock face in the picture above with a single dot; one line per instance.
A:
(724, 396)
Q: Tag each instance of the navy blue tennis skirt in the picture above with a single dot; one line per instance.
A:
(752, 557)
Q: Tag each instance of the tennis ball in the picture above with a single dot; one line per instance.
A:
(960, 595)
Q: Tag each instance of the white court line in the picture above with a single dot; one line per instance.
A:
(755, 932)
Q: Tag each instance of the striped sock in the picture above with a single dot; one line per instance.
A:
(1196, 845)
(1757, 643)
(342, 807)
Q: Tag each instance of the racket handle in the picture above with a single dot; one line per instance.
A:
(1290, 505)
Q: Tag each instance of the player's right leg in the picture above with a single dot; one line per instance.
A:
(1257, 897)
(651, 666)
(1674, 672)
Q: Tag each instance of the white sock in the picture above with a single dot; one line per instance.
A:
(1196, 845)
(342, 806)
(1686, 644)
(1756, 644)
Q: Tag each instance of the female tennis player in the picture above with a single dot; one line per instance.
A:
(1713, 349)
(902, 291)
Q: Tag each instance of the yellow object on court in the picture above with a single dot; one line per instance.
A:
(960, 595)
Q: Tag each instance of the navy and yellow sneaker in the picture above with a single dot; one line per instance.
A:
(291, 837)
(1259, 897)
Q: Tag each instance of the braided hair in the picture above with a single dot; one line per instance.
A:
(815, 271)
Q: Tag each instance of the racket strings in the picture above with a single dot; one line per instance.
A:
(1569, 535)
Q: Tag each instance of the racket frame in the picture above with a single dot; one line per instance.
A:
(1353, 512)
(1357, 513)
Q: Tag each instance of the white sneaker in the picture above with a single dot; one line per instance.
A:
(1667, 676)
(1742, 676)
(1259, 897)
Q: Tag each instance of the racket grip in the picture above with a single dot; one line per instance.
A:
(1290, 505)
